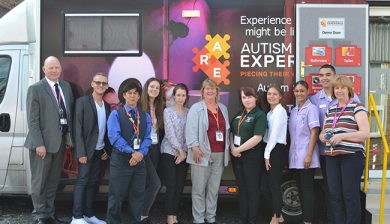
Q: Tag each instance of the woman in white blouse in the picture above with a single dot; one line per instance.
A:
(275, 153)
(174, 152)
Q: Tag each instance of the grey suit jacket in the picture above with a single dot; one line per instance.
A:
(43, 118)
(86, 130)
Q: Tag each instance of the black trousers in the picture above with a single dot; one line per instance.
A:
(247, 171)
(329, 212)
(278, 160)
(153, 183)
(305, 182)
(173, 176)
(86, 186)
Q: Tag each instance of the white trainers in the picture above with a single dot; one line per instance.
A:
(93, 220)
(78, 221)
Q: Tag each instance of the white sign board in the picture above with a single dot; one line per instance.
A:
(331, 28)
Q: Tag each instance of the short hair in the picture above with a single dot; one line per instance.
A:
(129, 84)
(344, 81)
(209, 82)
(302, 83)
(331, 67)
(100, 74)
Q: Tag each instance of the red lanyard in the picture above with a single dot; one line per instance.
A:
(135, 127)
(242, 118)
(335, 117)
(216, 118)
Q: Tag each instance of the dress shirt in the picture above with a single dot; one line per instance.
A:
(53, 90)
(277, 129)
(116, 139)
(174, 126)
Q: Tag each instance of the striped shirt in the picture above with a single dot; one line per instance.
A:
(346, 123)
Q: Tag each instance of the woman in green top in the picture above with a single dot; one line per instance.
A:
(248, 128)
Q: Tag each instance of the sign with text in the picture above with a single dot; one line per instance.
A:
(318, 55)
(348, 55)
(331, 28)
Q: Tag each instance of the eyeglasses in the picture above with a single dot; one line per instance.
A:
(100, 83)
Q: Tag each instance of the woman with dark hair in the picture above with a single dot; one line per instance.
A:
(247, 130)
(275, 153)
(152, 102)
(174, 151)
(304, 155)
(345, 131)
(129, 133)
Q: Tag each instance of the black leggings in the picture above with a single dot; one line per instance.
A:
(278, 160)
(173, 176)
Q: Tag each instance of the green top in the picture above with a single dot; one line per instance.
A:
(255, 123)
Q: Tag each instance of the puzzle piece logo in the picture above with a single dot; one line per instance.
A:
(208, 59)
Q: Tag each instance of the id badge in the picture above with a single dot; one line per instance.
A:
(136, 144)
(237, 140)
(63, 121)
(219, 136)
(154, 137)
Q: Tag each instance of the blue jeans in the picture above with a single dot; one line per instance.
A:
(86, 186)
(125, 179)
(343, 176)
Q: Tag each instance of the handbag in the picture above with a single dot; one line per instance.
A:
(69, 165)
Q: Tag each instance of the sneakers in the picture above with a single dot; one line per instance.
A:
(78, 221)
(93, 220)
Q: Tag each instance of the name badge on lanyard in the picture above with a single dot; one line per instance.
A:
(63, 119)
(154, 136)
(136, 144)
(219, 136)
(237, 138)
(218, 133)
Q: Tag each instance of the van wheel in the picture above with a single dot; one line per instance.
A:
(291, 209)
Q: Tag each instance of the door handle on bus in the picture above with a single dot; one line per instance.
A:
(5, 122)
(303, 68)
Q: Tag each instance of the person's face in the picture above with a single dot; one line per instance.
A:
(112, 99)
(341, 92)
(131, 97)
(180, 97)
(52, 69)
(249, 102)
(326, 77)
(99, 84)
(301, 94)
(273, 96)
(153, 89)
(210, 92)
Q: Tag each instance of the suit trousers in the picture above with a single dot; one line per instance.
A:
(45, 177)
(344, 173)
(125, 179)
(86, 186)
(174, 176)
(247, 170)
(205, 185)
(153, 183)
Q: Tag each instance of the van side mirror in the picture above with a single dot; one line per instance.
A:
(5, 122)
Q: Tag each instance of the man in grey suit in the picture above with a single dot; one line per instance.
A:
(92, 146)
(49, 110)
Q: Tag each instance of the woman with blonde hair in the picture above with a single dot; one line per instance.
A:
(345, 131)
(207, 139)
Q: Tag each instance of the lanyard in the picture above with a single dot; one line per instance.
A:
(335, 117)
(216, 118)
(242, 118)
(153, 115)
(135, 127)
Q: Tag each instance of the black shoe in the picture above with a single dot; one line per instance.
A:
(146, 221)
(54, 220)
(40, 221)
